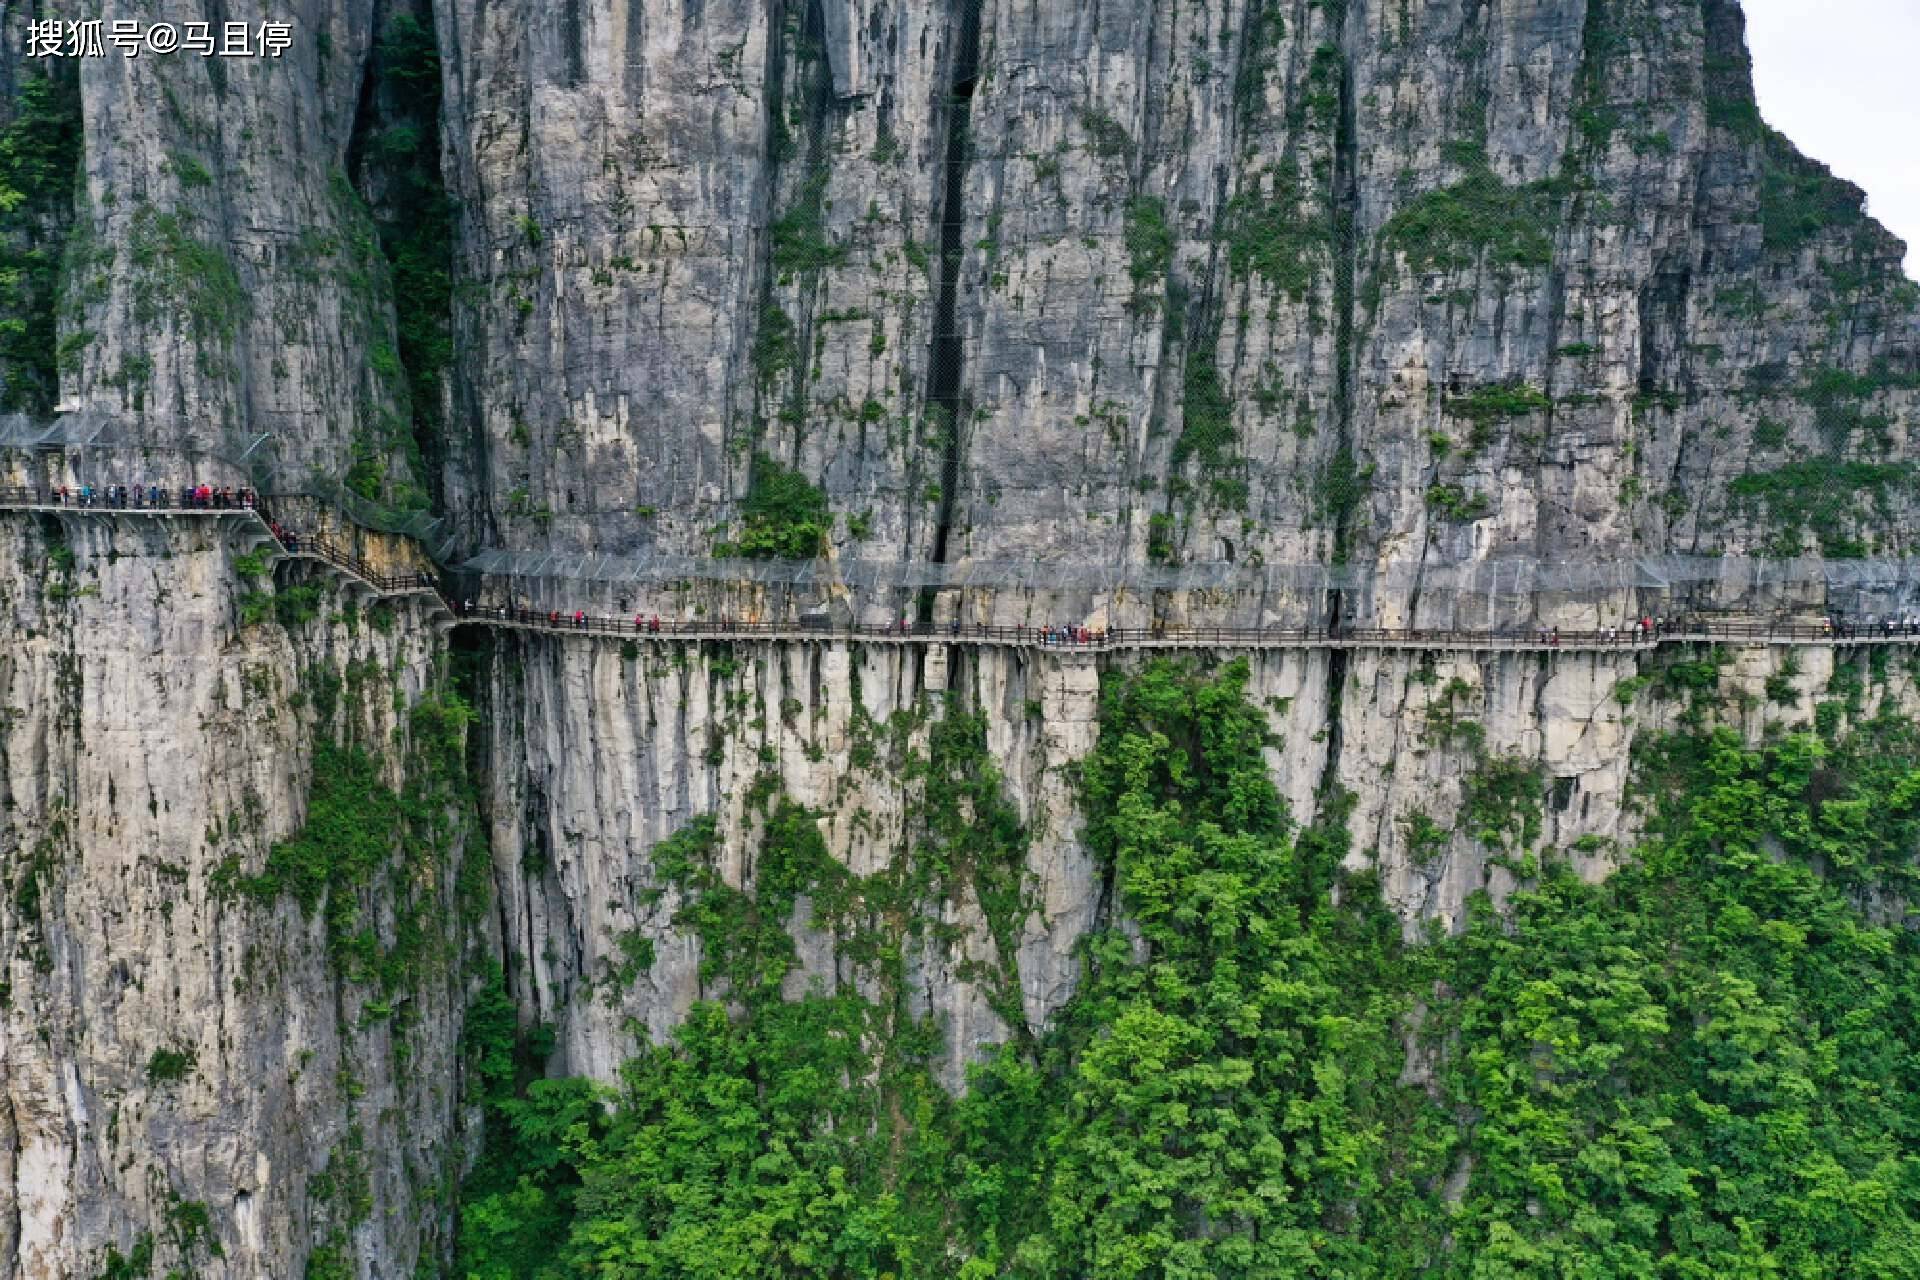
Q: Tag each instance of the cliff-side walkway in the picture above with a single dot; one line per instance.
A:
(447, 612)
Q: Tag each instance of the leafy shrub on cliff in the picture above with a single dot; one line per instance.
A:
(1479, 219)
(1498, 402)
(1149, 241)
(1821, 494)
(1275, 232)
(784, 516)
(356, 827)
(1452, 502)
(1800, 198)
(169, 1065)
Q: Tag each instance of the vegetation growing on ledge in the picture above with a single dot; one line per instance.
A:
(1822, 495)
(1452, 502)
(1800, 198)
(1479, 219)
(415, 226)
(192, 277)
(1274, 233)
(39, 158)
(800, 239)
(1501, 803)
(169, 1065)
(1486, 407)
(1207, 436)
(1149, 241)
(784, 517)
(358, 827)
(1837, 398)
(1498, 403)
(1340, 489)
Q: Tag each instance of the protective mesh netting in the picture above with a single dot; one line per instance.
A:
(105, 450)
(1505, 576)
(254, 459)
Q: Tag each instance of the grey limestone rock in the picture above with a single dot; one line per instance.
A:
(1115, 285)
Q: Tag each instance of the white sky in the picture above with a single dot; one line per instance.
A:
(1839, 78)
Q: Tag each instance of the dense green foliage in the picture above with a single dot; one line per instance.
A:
(1149, 241)
(1207, 436)
(181, 272)
(1800, 198)
(784, 516)
(1479, 219)
(772, 1136)
(167, 1065)
(799, 238)
(1453, 502)
(1702, 1068)
(1498, 402)
(361, 835)
(1823, 495)
(400, 160)
(1273, 231)
(39, 158)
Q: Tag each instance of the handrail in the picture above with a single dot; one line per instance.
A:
(1082, 639)
(243, 503)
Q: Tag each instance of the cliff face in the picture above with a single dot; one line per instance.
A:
(608, 754)
(1122, 285)
(210, 1062)
(1116, 288)
(1119, 285)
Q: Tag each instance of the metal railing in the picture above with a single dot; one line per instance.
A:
(242, 458)
(1077, 638)
(340, 558)
(152, 500)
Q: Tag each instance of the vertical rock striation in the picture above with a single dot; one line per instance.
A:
(1109, 288)
(201, 1070)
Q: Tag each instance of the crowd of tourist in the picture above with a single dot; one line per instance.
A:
(153, 497)
(1841, 627)
(190, 497)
